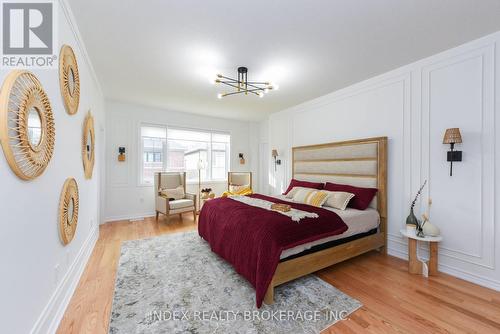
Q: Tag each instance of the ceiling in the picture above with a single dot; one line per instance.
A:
(165, 53)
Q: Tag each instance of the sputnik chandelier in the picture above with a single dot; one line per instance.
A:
(243, 86)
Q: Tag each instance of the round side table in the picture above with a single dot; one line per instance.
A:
(415, 264)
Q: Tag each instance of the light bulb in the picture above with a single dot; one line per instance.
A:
(219, 96)
(261, 94)
(219, 75)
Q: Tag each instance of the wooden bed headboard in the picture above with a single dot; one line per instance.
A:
(360, 162)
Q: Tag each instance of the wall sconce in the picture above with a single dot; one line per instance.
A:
(452, 136)
(121, 155)
(277, 161)
(242, 159)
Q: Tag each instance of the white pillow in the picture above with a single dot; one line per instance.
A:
(311, 196)
(293, 191)
(338, 199)
(175, 193)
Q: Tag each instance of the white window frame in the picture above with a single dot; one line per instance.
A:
(140, 145)
(165, 155)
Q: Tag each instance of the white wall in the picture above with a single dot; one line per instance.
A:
(34, 294)
(264, 158)
(125, 197)
(413, 106)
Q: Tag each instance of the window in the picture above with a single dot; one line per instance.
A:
(176, 149)
(153, 140)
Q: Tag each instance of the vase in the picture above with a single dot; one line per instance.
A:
(412, 219)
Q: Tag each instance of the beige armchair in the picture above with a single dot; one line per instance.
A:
(172, 180)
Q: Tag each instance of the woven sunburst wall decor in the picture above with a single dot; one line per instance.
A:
(27, 129)
(88, 145)
(69, 79)
(68, 210)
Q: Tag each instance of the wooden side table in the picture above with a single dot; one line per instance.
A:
(415, 264)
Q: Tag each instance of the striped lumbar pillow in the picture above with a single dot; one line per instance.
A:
(294, 190)
(310, 196)
(338, 199)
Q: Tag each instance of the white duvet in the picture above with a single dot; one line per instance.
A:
(357, 221)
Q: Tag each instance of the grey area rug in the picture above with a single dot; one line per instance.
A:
(175, 284)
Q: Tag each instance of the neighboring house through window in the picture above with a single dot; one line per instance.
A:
(177, 150)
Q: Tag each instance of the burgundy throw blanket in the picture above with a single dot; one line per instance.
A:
(252, 238)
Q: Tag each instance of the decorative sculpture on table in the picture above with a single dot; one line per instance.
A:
(428, 228)
(411, 221)
(27, 129)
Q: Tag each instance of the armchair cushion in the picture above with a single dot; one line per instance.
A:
(181, 203)
(175, 193)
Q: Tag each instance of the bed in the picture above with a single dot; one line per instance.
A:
(295, 250)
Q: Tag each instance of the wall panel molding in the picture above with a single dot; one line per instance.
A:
(484, 256)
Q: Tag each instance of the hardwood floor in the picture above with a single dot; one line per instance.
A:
(393, 300)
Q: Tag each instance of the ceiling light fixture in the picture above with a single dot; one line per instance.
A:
(242, 85)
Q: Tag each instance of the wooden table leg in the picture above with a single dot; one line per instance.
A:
(414, 265)
(433, 258)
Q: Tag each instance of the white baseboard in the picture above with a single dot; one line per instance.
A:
(49, 320)
(400, 250)
(129, 217)
(476, 279)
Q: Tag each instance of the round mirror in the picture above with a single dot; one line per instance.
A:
(89, 145)
(34, 127)
(71, 209)
(68, 210)
(71, 81)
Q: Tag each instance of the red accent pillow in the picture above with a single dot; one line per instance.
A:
(305, 184)
(362, 196)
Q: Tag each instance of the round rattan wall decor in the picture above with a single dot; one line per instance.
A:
(27, 129)
(68, 210)
(88, 145)
(69, 79)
